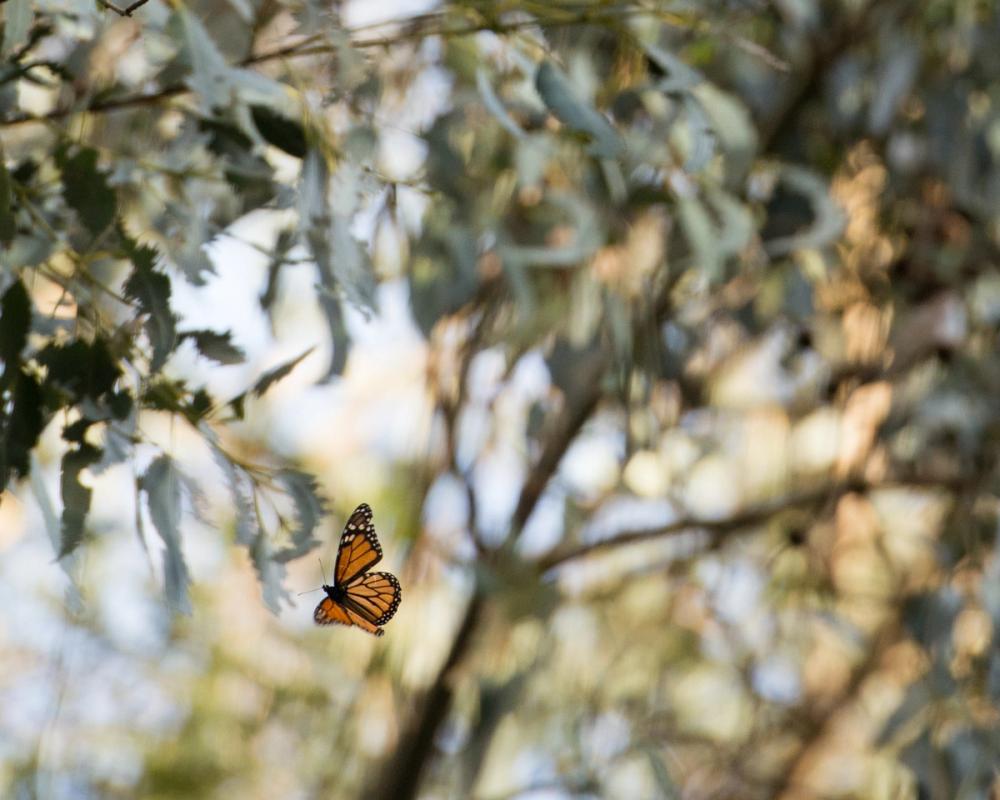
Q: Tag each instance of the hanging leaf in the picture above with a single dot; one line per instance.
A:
(270, 572)
(279, 257)
(309, 510)
(339, 341)
(161, 484)
(8, 225)
(557, 93)
(15, 322)
(151, 290)
(21, 429)
(241, 490)
(75, 496)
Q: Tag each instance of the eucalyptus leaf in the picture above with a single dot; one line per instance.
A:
(161, 484)
(558, 94)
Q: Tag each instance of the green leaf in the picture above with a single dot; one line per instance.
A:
(339, 340)
(828, 218)
(271, 377)
(279, 256)
(15, 323)
(210, 73)
(161, 484)
(495, 105)
(557, 93)
(8, 225)
(85, 188)
(241, 489)
(270, 572)
(343, 263)
(151, 290)
(216, 346)
(81, 369)
(309, 510)
(668, 789)
(75, 496)
(17, 18)
(21, 429)
(279, 131)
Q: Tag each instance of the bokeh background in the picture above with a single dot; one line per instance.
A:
(660, 336)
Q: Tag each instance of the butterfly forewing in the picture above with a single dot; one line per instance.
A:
(359, 548)
(376, 595)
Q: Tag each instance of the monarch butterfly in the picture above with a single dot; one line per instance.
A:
(359, 597)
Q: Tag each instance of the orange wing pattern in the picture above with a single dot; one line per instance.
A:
(359, 548)
(375, 595)
(331, 613)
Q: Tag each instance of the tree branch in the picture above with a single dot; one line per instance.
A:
(744, 519)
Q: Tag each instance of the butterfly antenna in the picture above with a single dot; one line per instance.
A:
(310, 591)
(321, 570)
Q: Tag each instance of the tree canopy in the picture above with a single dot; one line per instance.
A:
(661, 337)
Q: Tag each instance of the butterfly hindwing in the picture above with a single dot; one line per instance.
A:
(376, 595)
(329, 612)
(359, 549)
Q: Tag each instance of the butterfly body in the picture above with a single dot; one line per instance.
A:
(357, 596)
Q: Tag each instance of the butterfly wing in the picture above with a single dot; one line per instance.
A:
(375, 596)
(359, 549)
(329, 612)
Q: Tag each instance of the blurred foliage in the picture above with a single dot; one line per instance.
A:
(708, 300)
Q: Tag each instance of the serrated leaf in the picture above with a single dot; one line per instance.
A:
(217, 346)
(151, 290)
(271, 377)
(86, 189)
(75, 496)
(247, 524)
(271, 573)
(161, 484)
(557, 92)
(15, 323)
(309, 510)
